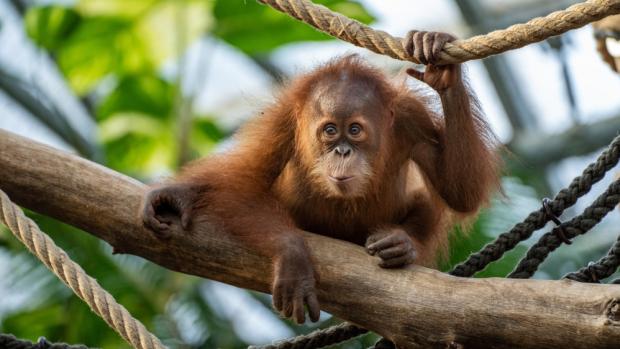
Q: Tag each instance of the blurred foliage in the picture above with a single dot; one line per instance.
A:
(139, 93)
(49, 26)
(99, 38)
(251, 26)
(113, 51)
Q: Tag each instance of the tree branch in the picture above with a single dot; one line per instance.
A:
(415, 307)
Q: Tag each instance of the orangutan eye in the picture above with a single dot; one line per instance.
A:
(355, 129)
(330, 130)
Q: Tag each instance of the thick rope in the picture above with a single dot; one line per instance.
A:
(602, 269)
(319, 338)
(579, 225)
(477, 47)
(537, 219)
(8, 341)
(84, 286)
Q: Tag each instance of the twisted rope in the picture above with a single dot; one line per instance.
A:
(477, 47)
(537, 219)
(579, 225)
(319, 338)
(8, 341)
(84, 286)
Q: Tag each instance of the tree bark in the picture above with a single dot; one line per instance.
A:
(415, 307)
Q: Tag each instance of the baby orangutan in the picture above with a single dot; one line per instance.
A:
(345, 153)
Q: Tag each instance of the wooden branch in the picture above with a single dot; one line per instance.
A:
(415, 307)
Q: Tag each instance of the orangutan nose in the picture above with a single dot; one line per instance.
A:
(343, 150)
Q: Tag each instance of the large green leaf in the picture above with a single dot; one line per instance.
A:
(139, 154)
(165, 26)
(47, 26)
(256, 28)
(205, 136)
(101, 46)
(170, 26)
(140, 93)
(101, 38)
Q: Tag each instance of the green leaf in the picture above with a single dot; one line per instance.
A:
(170, 26)
(32, 324)
(208, 129)
(166, 27)
(143, 93)
(206, 134)
(101, 38)
(101, 46)
(256, 28)
(48, 26)
(139, 154)
(115, 8)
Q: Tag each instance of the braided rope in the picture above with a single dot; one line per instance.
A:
(477, 47)
(602, 269)
(8, 341)
(537, 219)
(579, 225)
(319, 338)
(84, 286)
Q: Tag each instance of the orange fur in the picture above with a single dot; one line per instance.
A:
(425, 167)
